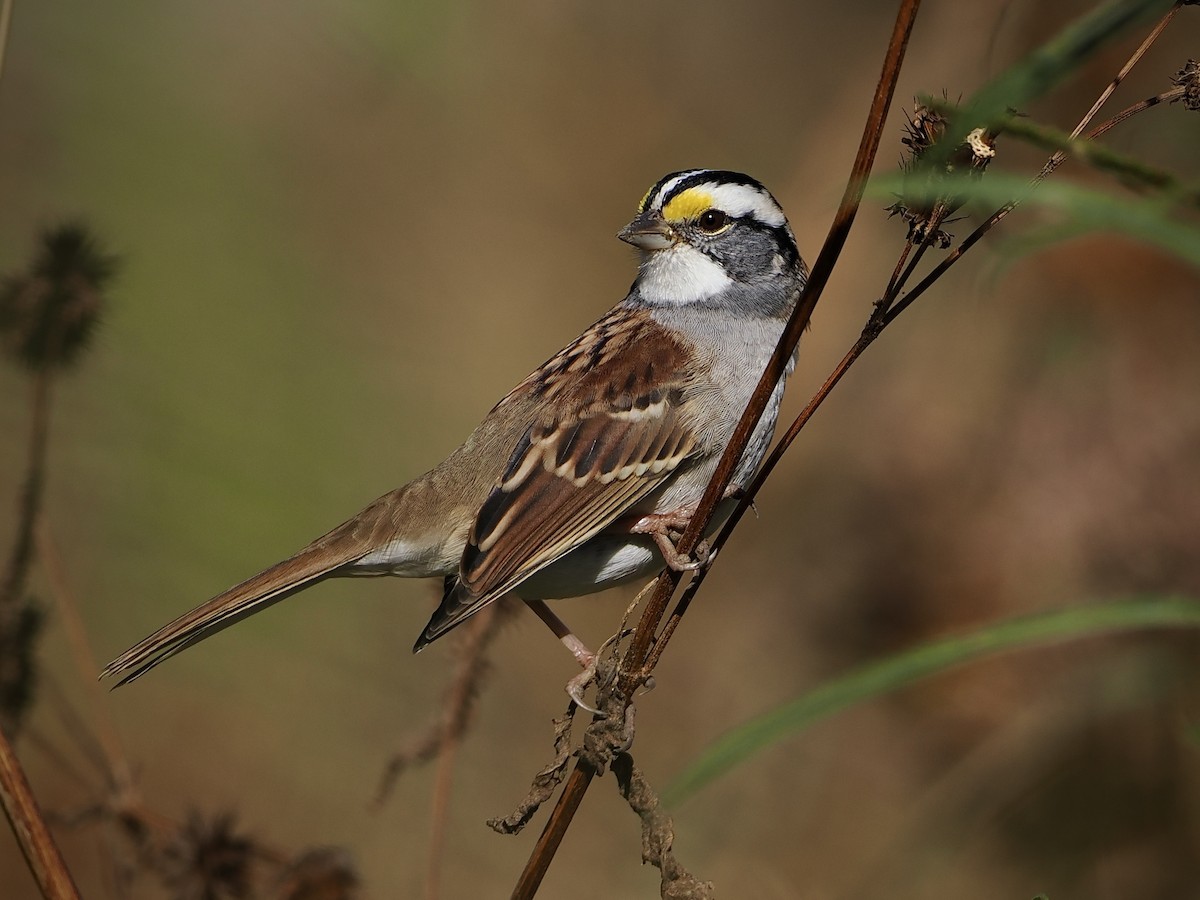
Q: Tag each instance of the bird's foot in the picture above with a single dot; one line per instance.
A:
(577, 685)
(665, 529)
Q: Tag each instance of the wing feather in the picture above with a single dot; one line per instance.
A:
(578, 468)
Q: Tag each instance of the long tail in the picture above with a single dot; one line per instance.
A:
(324, 557)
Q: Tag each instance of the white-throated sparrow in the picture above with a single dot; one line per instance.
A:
(575, 481)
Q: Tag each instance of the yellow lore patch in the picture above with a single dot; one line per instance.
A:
(688, 205)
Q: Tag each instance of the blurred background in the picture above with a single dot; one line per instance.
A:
(346, 229)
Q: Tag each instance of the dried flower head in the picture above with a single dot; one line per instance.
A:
(326, 873)
(208, 860)
(919, 226)
(924, 129)
(48, 313)
(1188, 78)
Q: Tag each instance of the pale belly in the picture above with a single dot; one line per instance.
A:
(603, 562)
(607, 560)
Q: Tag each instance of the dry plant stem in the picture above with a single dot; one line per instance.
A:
(893, 285)
(31, 493)
(12, 589)
(932, 227)
(459, 705)
(1128, 112)
(41, 853)
(556, 827)
(5, 23)
(1127, 67)
(1060, 156)
(635, 666)
(85, 661)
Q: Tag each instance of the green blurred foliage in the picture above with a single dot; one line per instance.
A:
(346, 229)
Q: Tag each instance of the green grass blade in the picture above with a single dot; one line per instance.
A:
(1153, 219)
(891, 674)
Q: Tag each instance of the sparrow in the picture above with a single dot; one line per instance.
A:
(583, 476)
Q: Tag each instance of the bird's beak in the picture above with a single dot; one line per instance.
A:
(649, 231)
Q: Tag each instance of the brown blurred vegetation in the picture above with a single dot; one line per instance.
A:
(346, 230)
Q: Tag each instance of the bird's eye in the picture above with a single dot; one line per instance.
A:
(713, 220)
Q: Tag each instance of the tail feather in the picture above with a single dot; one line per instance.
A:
(252, 595)
(321, 559)
(458, 604)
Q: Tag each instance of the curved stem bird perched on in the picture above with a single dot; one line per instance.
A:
(578, 479)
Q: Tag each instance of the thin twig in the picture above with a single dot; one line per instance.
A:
(21, 554)
(5, 24)
(12, 589)
(932, 227)
(117, 763)
(636, 665)
(893, 285)
(459, 705)
(1145, 45)
(41, 852)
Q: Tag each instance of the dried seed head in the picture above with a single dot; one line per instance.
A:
(208, 860)
(326, 873)
(927, 126)
(1188, 78)
(48, 314)
(924, 129)
(919, 225)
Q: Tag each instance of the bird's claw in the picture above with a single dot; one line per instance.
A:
(577, 685)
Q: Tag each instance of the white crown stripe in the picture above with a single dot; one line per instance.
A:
(739, 200)
(665, 190)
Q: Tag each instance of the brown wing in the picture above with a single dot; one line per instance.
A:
(583, 464)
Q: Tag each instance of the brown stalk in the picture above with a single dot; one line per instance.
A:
(1056, 160)
(637, 663)
(41, 853)
(460, 703)
(5, 24)
(20, 559)
(21, 555)
(116, 764)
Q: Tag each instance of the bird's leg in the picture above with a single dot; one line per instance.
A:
(582, 654)
(585, 657)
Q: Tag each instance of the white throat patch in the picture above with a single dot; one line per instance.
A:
(680, 275)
